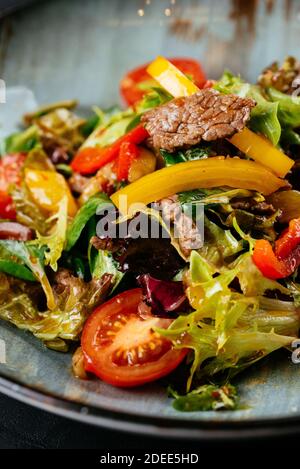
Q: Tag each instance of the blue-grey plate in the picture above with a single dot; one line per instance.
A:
(68, 48)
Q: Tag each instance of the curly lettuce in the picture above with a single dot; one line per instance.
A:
(288, 107)
(232, 326)
(206, 397)
(33, 258)
(74, 299)
(54, 241)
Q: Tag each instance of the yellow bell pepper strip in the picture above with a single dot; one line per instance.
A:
(261, 150)
(47, 188)
(171, 78)
(206, 173)
(254, 146)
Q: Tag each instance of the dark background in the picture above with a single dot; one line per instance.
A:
(24, 427)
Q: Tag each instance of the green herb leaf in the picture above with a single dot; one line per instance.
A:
(84, 214)
(206, 397)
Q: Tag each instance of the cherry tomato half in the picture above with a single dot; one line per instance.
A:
(10, 170)
(122, 349)
(130, 85)
(10, 174)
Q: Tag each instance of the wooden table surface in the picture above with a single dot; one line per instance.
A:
(68, 48)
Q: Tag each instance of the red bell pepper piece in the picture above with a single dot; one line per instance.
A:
(265, 259)
(128, 153)
(289, 239)
(270, 265)
(89, 160)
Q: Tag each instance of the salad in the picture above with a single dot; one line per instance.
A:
(159, 241)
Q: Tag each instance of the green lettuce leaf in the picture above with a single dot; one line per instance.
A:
(54, 241)
(14, 266)
(220, 202)
(85, 213)
(220, 245)
(21, 141)
(33, 258)
(74, 300)
(230, 83)
(111, 127)
(264, 116)
(289, 137)
(104, 263)
(211, 197)
(288, 107)
(154, 98)
(233, 326)
(28, 212)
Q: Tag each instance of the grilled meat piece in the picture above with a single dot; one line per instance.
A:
(206, 115)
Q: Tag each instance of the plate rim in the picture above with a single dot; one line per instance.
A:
(152, 426)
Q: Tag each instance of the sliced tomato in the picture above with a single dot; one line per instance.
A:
(7, 210)
(10, 170)
(122, 349)
(131, 90)
(10, 174)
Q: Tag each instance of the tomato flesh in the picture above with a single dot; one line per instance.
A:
(10, 170)
(10, 175)
(7, 210)
(130, 85)
(122, 349)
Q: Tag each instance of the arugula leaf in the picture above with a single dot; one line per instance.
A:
(195, 153)
(90, 125)
(16, 270)
(210, 197)
(20, 141)
(94, 203)
(290, 137)
(206, 397)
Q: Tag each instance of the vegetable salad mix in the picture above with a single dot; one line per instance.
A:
(213, 166)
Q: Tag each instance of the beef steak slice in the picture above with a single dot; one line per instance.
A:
(206, 115)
